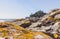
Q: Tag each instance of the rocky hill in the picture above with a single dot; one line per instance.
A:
(45, 27)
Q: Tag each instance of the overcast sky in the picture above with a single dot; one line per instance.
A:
(22, 8)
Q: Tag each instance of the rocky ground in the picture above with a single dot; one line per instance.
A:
(47, 26)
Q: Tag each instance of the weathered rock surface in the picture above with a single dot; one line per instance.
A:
(48, 24)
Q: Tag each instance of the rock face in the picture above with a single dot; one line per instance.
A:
(50, 23)
(46, 27)
(49, 20)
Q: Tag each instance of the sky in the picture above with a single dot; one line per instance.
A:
(14, 9)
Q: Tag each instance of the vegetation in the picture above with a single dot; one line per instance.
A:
(38, 14)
